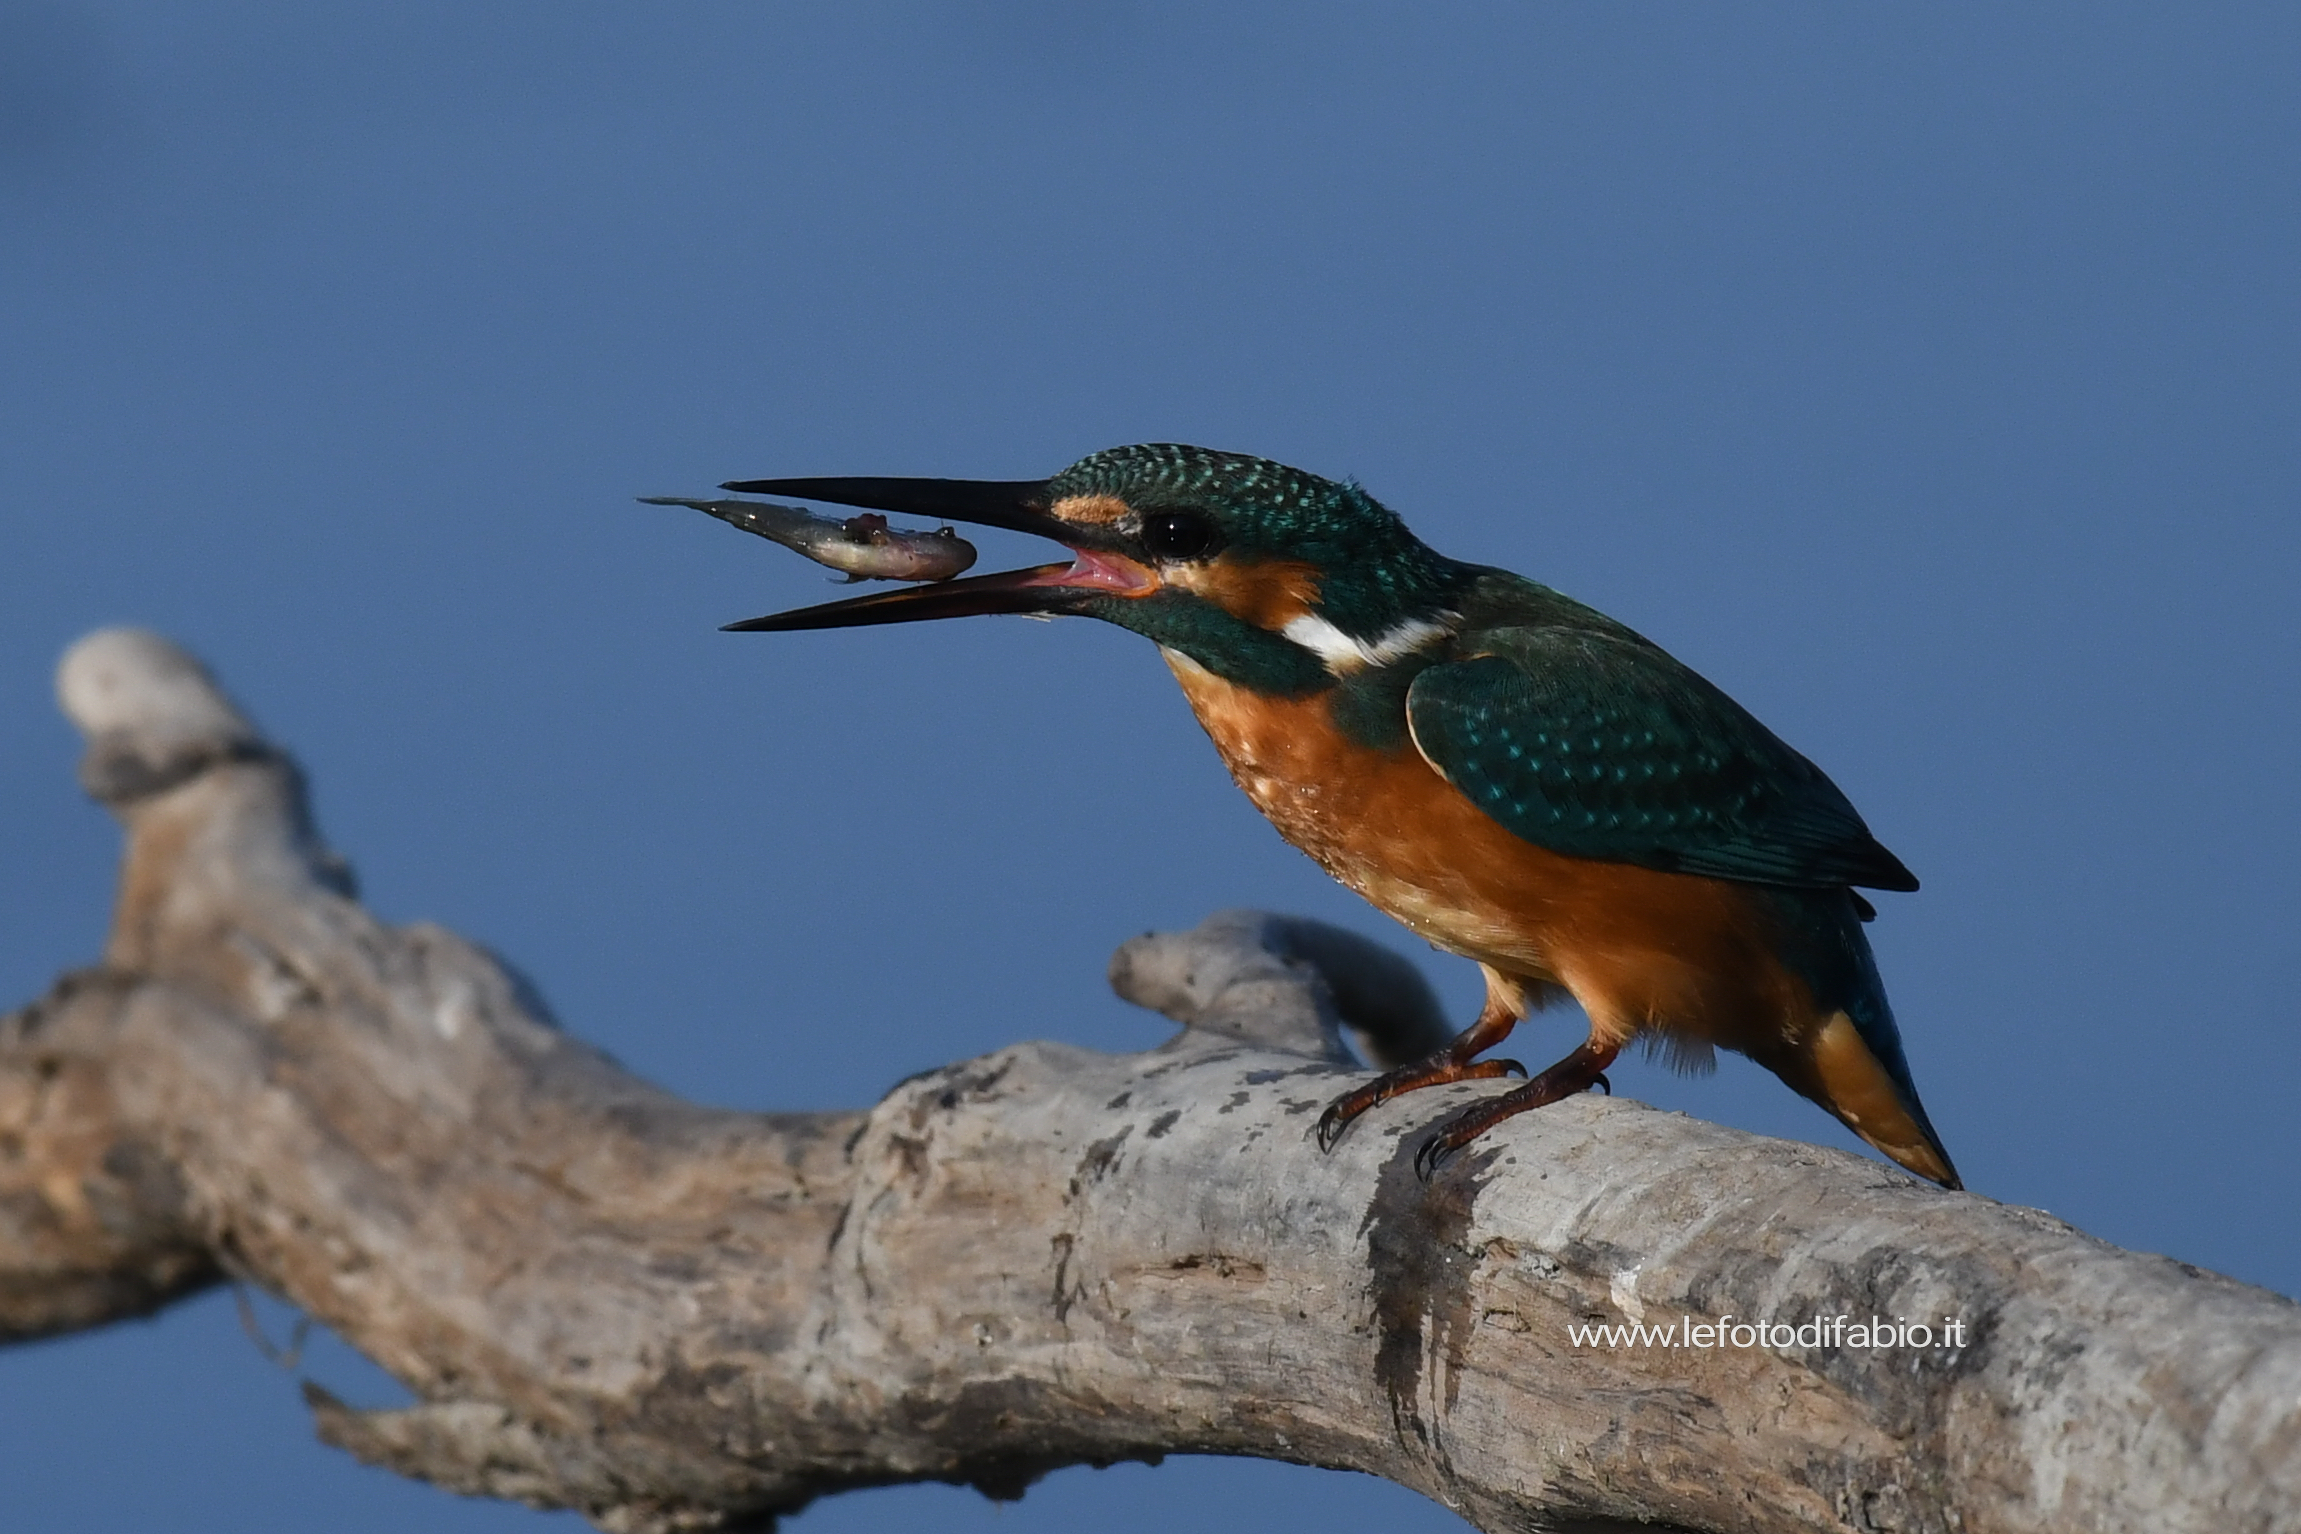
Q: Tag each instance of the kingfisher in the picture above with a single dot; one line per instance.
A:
(1516, 777)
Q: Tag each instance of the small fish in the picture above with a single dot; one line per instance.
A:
(864, 546)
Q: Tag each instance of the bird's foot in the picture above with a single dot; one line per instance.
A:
(1457, 1061)
(1407, 1078)
(1578, 1072)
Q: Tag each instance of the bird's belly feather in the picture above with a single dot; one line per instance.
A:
(1638, 948)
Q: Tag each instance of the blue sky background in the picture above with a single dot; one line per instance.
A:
(1924, 375)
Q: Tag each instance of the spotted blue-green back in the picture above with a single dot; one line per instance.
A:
(1584, 738)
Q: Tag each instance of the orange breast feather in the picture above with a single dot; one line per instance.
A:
(1638, 948)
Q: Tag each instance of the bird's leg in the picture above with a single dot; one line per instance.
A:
(1453, 1063)
(1578, 1072)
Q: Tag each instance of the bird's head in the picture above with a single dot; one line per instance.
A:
(1266, 575)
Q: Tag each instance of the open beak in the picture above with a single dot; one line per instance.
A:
(1016, 505)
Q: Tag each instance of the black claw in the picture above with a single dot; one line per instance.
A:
(1330, 1128)
(1512, 1065)
(1431, 1157)
(1600, 1081)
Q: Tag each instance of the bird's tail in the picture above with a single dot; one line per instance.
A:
(1851, 1061)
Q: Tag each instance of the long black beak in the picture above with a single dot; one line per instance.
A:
(1011, 591)
(1019, 505)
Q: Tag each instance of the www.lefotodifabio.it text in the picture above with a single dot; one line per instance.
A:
(1874, 1332)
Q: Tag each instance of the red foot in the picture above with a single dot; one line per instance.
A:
(1453, 1063)
(1578, 1072)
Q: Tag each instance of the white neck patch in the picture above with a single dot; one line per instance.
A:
(1345, 653)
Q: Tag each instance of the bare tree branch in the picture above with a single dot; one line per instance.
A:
(676, 1317)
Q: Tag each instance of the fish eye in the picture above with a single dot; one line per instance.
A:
(1177, 534)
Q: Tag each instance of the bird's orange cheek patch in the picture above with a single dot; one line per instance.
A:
(1090, 510)
(1268, 593)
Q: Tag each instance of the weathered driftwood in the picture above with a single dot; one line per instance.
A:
(670, 1316)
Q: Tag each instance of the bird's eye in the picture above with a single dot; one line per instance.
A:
(1177, 534)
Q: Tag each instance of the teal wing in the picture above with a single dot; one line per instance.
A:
(1596, 744)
